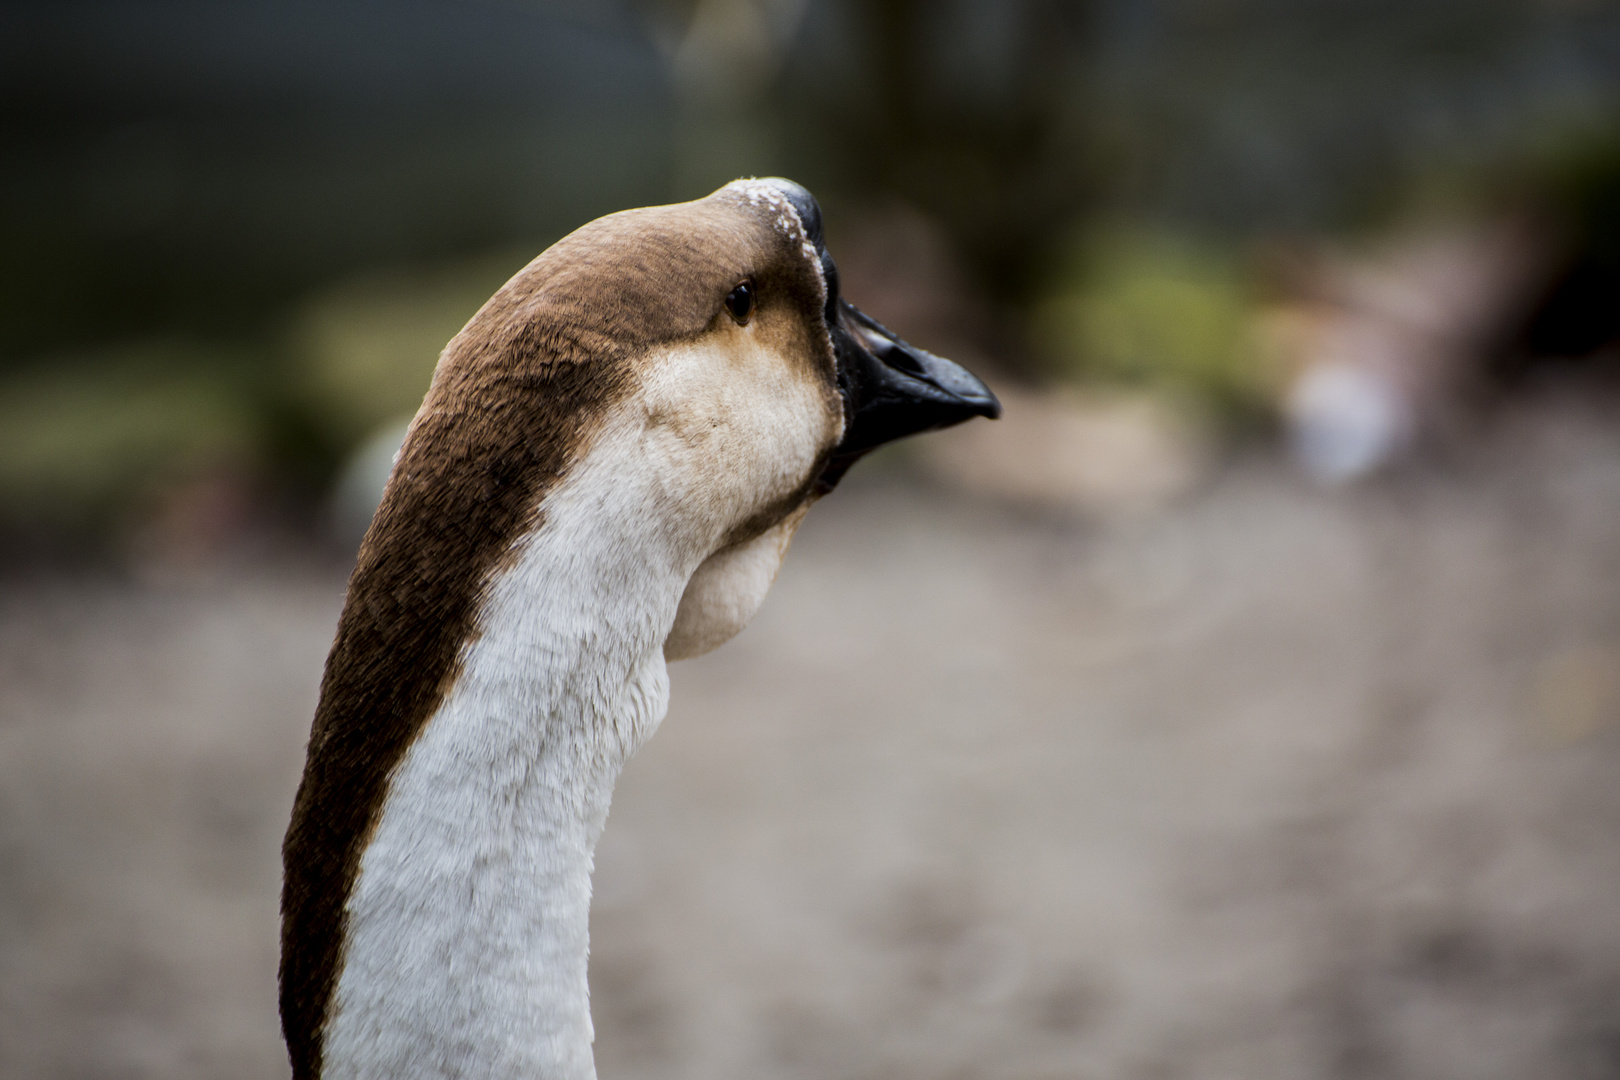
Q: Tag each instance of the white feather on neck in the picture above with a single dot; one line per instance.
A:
(468, 927)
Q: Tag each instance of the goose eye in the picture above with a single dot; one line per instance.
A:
(740, 302)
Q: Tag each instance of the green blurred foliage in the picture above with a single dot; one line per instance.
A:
(87, 438)
(82, 437)
(1156, 310)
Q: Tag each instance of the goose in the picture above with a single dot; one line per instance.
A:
(604, 475)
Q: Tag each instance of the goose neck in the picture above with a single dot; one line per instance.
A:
(468, 927)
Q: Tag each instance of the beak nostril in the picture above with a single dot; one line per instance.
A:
(901, 359)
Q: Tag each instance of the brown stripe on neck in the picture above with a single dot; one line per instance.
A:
(514, 403)
(455, 506)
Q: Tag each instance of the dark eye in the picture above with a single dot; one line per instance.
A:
(740, 302)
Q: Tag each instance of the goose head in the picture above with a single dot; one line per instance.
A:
(720, 324)
(605, 473)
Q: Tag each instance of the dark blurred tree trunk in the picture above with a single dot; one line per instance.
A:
(1002, 169)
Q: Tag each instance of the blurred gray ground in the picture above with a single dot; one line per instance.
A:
(1279, 783)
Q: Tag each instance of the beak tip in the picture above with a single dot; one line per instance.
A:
(979, 398)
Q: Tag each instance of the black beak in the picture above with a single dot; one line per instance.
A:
(892, 389)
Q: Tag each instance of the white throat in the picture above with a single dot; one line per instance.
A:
(468, 924)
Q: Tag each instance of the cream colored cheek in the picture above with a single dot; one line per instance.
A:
(727, 589)
(732, 429)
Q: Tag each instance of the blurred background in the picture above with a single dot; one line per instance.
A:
(1243, 704)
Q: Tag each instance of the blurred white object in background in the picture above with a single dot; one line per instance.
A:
(1383, 343)
(360, 484)
(1345, 420)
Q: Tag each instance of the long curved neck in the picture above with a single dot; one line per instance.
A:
(467, 928)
